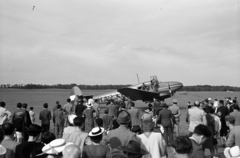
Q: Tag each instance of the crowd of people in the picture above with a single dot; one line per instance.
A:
(123, 131)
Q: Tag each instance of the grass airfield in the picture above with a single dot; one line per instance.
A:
(37, 97)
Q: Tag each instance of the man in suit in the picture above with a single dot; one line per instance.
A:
(112, 109)
(68, 109)
(165, 119)
(236, 114)
(45, 117)
(107, 120)
(122, 133)
(135, 116)
(234, 134)
(58, 120)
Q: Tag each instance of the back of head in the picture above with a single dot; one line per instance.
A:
(57, 102)
(31, 108)
(132, 104)
(68, 100)
(235, 107)
(2, 104)
(183, 145)
(196, 103)
(202, 130)
(58, 106)
(71, 151)
(105, 111)
(19, 105)
(45, 105)
(8, 128)
(99, 122)
(221, 102)
(47, 137)
(78, 121)
(24, 105)
(34, 130)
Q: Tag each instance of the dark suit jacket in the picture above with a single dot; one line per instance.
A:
(58, 117)
(165, 117)
(107, 121)
(135, 116)
(45, 116)
(112, 110)
(79, 109)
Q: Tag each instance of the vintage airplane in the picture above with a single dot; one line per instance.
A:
(142, 91)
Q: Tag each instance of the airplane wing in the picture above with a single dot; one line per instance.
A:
(136, 94)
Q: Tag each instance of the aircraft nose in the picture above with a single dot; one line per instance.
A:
(176, 85)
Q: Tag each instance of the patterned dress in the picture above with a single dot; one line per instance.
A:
(89, 121)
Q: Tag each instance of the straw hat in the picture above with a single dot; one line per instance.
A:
(96, 131)
(54, 147)
(233, 152)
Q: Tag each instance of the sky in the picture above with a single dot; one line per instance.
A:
(114, 41)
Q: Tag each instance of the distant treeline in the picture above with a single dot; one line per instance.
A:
(209, 88)
(69, 86)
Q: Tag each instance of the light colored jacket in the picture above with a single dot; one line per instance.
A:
(5, 115)
(195, 116)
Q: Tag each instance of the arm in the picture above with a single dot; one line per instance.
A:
(50, 116)
(53, 117)
(40, 116)
(230, 140)
(178, 114)
(187, 117)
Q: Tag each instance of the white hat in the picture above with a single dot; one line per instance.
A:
(96, 131)
(71, 118)
(209, 99)
(3, 150)
(72, 97)
(233, 152)
(56, 146)
(90, 101)
(147, 111)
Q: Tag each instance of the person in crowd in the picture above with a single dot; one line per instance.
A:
(78, 137)
(189, 106)
(135, 116)
(27, 121)
(68, 109)
(182, 147)
(99, 122)
(176, 115)
(29, 149)
(152, 142)
(45, 117)
(8, 141)
(133, 149)
(208, 144)
(18, 122)
(222, 111)
(195, 116)
(233, 152)
(199, 136)
(5, 115)
(156, 106)
(58, 121)
(55, 106)
(148, 114)
(32, 115)
(95, 149)
(97, 109)
(69, 129)
(112, 109)
(55, 148)
(123, 132)
(215, 103)
(80, 107)
(216, 129)
(128, 103)
(72, 151)
(236, 114)
(89, 120)
(107, 120)
(4, 152)
(234, 134)
(165, 119)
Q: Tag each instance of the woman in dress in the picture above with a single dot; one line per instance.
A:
(88, 115)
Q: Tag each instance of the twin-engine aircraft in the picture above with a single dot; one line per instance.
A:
(144, 91)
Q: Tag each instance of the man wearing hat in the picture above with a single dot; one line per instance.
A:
(176, 114)
(123, 132)
(234, 134)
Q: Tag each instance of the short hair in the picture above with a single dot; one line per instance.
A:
(58, 106)
(68, 100)
(202, 130)
(221, 101)
(78, 121)
(45, 105)
(234, 101)
(31, 108)
(132, 104)
(235, 106)
(57, 102)
(19, 105)
(8, 128)
(24, 105)
(99, 122)
(96, 100)
(105, 111)
(47, 137)
(123, 105)
(183, 145)
(2, 104)
(196, 103)
(71, 151)
(1, 134)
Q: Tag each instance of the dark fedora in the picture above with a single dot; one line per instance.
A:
(134, 148)
(34, 129)
(123, 117)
